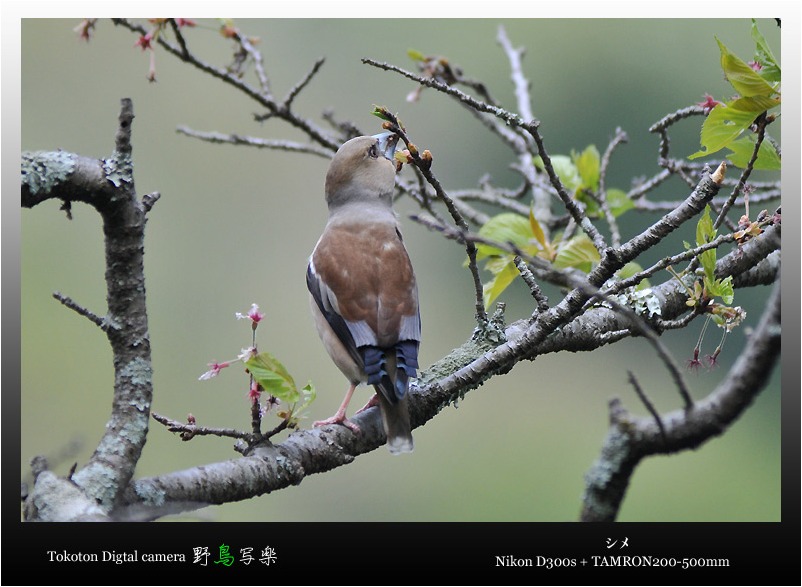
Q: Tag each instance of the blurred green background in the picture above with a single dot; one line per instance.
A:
(235, 225)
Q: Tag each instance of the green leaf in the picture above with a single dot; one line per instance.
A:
(268, 371)
(704, 228)
(727, 121)
(505, 228)
(381, 112)
(743, 78)
(763, 55)
(294, 412)
(721, 288)
(496, 265)
(767, 157)
(537, 230)
(726, 291)
(503, 278)
(578, 252)
(588, 166)
(310, 394)
(416, 55)
(704, 234)
(722, 126)
(756, 104)
(618, 202)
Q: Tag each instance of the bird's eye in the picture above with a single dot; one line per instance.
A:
(373, 152)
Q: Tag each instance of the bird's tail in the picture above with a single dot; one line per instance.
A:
(396, 424)
(389, 373)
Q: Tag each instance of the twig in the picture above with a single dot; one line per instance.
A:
(346, 128)
(424, 167)
(189, 431)
(149, 200)
(534, 288)
(678, 168)
(661, 125)
(259, 143)
(544, 268)
(179, 36)
(508, 117)
(246, 44)
(646, 186)
(260, 97)
(648, 404)
(295, 90)
(665, 262)
(615, 234)
(512, 137)
(491, 197)
(522, 146)
(101, 323)
(664, 206)
(521, 84)
(420, 194)
(470, 213)
(677, 323)
(577, 213)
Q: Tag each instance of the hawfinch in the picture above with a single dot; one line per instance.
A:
(364, 298)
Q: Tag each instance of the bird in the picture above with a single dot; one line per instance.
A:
(362, 286)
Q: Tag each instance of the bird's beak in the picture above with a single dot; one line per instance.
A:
(388, 142)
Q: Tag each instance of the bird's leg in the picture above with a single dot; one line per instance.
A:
(374, 401)
(339, 416)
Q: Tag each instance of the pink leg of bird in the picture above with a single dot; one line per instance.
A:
(339, 416)
(374, 401)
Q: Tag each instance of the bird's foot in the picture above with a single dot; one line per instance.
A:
(338, 418)
(374, 401)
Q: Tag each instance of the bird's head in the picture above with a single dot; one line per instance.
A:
(362, 170)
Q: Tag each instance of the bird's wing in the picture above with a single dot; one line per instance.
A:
(361, 279)
(326, 302)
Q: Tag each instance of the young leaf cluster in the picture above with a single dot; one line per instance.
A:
(758, 87)
(274, 378)
(527, 236)
(580, 173)
(709, 287)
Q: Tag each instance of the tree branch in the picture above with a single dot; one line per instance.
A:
(631, 439)
(101, 323)
(263, 97)
(620, 137)
(108, 186)
(259, 143)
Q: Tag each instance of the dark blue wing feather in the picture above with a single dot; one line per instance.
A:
(337, 322)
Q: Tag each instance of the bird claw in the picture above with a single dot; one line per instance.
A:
(374, 401)
(338, 419)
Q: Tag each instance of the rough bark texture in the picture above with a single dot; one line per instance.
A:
(108, 186)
